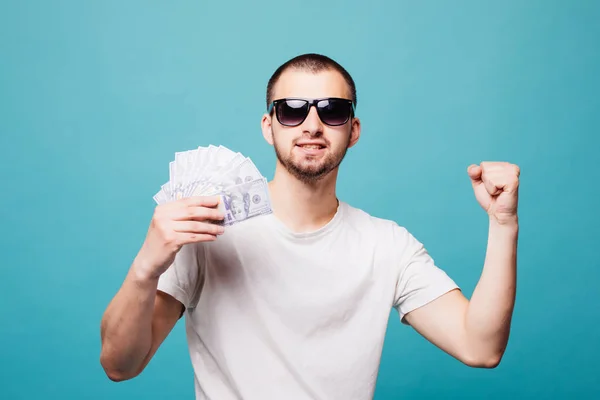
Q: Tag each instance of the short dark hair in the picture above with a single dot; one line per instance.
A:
(314, 63)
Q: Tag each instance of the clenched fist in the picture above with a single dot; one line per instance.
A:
(173, 225)
(496, 187)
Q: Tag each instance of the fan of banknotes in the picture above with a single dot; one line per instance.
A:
(218, 171)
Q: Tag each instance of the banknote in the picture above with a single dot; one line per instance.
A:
(216, 170)
(209, 179)
(239, 173)
(244, 201)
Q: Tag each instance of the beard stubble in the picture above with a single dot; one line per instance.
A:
(312, 171)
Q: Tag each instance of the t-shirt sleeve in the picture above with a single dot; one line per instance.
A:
(183, 278)
(419, 279)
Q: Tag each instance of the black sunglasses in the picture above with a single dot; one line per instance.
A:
(332, 111)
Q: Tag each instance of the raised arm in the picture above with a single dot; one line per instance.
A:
(477, 331)
(140, 317)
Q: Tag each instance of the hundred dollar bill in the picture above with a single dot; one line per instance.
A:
(239, 173)
(245, 201)
(202, 183)
(160, 197)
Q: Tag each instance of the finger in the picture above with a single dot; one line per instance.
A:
(491, 187)
(202, 201)
(186, 238)
(517, 170)
(197, 213)
(198, 227)
(198, 201)
(475, 172)
(494, 184)
(505, 181)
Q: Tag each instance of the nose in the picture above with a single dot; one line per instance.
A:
(312, 125)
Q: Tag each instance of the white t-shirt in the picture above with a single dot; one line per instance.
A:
(273, 314)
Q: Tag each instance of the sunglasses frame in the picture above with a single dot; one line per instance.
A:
(311, 103)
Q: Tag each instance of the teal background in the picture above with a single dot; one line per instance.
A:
(95, 98)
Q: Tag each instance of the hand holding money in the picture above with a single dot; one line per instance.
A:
(174, 224)
(218, 171)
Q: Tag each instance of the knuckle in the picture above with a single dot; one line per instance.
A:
(157, 226)
(169, 237)
(161, 224)
(200, 201)
(190, 212)
(203, 227)
(205, 214)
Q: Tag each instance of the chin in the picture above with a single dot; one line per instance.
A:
(309, 165)
(309, 168)
(310, 172)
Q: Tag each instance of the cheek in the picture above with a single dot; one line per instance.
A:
(283, 140)
(339, 140)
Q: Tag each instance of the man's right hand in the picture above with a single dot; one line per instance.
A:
(173, 225)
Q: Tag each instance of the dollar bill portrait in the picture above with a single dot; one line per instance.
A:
(238, 204)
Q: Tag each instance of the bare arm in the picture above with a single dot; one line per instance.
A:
(476, 332)
(139, 318)
(135, 324)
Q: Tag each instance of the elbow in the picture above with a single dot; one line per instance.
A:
(483, 361)
(116, 374)
(489, 363)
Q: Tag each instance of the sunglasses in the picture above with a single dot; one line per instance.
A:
(332, 111)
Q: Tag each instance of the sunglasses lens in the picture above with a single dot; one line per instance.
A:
(334, 112)
(292, 112)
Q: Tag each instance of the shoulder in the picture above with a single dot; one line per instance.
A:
(385, 234)
(381, 227)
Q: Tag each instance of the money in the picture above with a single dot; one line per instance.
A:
(245, 201)
(245, 171)
(218, 171)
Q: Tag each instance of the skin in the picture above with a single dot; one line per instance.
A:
(303, 197)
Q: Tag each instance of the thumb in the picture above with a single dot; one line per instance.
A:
(474, 172)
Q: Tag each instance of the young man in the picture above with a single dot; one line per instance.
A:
(295, 304)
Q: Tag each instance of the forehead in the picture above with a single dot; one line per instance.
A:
(298, 83)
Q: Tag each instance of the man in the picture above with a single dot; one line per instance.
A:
(295, 304)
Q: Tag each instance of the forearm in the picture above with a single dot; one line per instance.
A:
(491, 306)
(126, 328)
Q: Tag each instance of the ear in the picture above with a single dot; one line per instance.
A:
(355, 132)
(267, 129)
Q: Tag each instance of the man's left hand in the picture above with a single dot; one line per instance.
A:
(496, 187)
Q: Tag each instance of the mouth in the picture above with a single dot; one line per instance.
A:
(311, 146)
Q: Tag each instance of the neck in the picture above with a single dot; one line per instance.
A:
(301, 206)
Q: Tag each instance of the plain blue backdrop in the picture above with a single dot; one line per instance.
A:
(96, 97)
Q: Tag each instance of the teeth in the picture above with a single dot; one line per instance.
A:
(311, 146)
